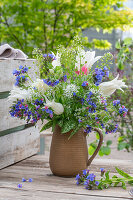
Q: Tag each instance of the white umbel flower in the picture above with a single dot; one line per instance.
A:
(56, 62)
(40, 85)
(87, 58)
(17, 93)
(108, 88)
(70, 89)
(58, 108)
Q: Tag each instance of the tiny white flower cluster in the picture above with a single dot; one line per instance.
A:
(70, 89)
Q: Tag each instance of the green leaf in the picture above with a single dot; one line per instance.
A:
(60, 123)
(73, 132)
(128, 41)
(106, 150)
(101, 153)
(118, 45)
(46, 126)
(53, 125)
(124, 174)
(97, 136)
(91, 150)
(109, 142)
(122, 145)
(124, 185)
(130, 182)
(67, 126)
(116, 183)
(107, 175)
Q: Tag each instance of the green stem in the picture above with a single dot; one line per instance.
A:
(30, 78)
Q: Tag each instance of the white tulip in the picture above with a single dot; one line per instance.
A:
(17, 94)
(40, 85)
(87, 58)
(56, 62)
(108, 88)
(58, 108)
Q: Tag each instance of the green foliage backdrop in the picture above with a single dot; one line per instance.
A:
(26, 24)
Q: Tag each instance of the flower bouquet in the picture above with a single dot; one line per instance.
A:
(73, 98)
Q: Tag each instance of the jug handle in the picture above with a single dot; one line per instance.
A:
(98, 147)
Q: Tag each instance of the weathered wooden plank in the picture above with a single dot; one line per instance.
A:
(6, 121)
(18, 146)
(7, 79)
(42, 183)
(48, 195)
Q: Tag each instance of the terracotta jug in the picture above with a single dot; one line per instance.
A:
(69, 157)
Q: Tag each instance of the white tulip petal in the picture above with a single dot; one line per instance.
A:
(97, 58)
(108, 88)
(58, 108)
(57, 61)
(17, 94)
(40, 85)
(86, 58)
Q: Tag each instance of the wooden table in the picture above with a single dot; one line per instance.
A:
(46, 186)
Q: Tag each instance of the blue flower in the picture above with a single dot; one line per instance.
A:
(74, 94)
(107, 73)
(23, 180)
(50, 55)
(77, 182)
(102, 169)
(77, 177)
(79, 120)
(19, 185)
(25, 69)
(85, 172)
(116, 102)
(91, 177)
(105, 68)
(15, 72)
(20, 67)
(84, 83)
(97, 183)
(102, 125)
(88, 129)
(56, 82)
(65, 78)
(45, 81)
(86, 182)
(30, 179)
(45, 55)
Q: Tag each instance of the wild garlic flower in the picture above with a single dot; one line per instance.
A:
(70, 89)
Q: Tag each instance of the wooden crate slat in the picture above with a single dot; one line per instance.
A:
(18, 146)
(6, 121)
(15, 146)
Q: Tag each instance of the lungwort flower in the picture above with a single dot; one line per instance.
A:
(108, 88)
(86, 58)
(58, 108)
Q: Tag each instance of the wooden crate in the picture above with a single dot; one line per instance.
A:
(17, 140)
